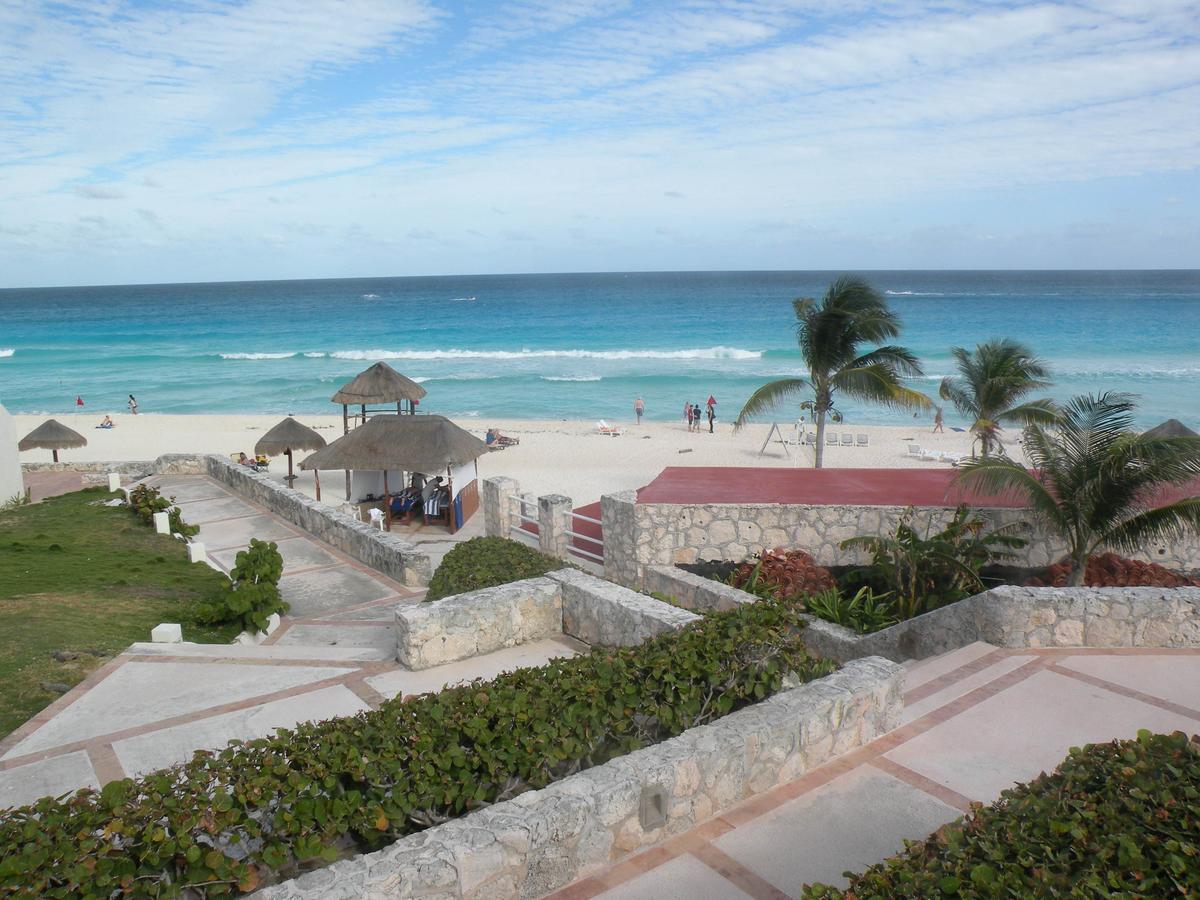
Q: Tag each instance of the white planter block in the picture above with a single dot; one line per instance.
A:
(162, 522)
(166, 633)
(114, 482)
(196, 552)
(253, 640)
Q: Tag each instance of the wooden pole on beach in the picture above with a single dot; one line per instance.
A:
(387, 503)
(317, 481)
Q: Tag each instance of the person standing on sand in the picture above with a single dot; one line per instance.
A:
(133, 404)
(712, 412)
(687, 414)
(937, 422)
(639, 407)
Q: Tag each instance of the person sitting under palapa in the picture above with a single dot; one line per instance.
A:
(495, 438)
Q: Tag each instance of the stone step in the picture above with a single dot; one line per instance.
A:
(268, 651)
(918, 672)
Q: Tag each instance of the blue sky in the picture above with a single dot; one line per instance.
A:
(237, 140)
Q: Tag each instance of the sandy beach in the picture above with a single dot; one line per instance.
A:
(565, 457)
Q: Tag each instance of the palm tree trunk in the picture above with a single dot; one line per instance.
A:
(820, 448)
(1078, 569)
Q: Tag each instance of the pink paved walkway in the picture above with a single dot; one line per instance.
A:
(977, 720)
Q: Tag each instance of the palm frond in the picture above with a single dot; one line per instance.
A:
(900, 360)
(1035, 412)
(878, 384)
(768, 396)
(1172, 521)
(1000, 477)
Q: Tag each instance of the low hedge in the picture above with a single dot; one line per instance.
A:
(1117, 819)
(486, 562)
(254, 812)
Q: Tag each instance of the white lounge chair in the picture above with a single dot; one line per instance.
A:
(604, 428)
(831, 439)
(914, 450)
(810, 439)
(847, 439)
(863, 440)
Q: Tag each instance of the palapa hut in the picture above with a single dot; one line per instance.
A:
(54, 436)
(378, 384)
(1170, 429)
(429, 445)
(287, 437)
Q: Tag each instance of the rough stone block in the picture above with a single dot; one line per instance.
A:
(166, 633)
(604, 614)
(477, 622)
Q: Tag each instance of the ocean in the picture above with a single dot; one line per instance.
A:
(578, 346)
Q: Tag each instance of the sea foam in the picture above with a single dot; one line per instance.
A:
(257, 355)
(6, 352)
(698, 353)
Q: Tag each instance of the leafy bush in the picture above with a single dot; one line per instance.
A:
(865, 612)
(485, 562)
(1110, 570)
(782, 575)
(1118, 819)
(252, 595)
(925, 571)
(145, 501)
(234, 819)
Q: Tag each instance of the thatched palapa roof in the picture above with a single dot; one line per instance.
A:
(1172, 428)
(52, 435)
(288, 435)
(379, 384)
(426, 444)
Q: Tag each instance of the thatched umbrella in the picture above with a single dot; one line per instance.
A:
(287, 436)
(1172, 428)
(54, 436)
(378, 384)
(425, 444)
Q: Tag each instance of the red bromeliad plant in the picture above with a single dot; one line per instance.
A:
(783, 575)
(1110, 570)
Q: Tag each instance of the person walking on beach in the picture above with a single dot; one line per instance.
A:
(687, 414)
(639, 407)
(937, 422)
(712, 412)
(132, 404)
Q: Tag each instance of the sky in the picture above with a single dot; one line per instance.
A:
(209, 141)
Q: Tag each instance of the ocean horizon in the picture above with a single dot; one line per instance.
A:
(576, 346)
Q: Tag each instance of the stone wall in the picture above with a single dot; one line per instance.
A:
(692, 591)
(625, 543)
(543, 840)
(477, 622)
(381, 550)
(604, 614)
(667, 534)
(1028, 617)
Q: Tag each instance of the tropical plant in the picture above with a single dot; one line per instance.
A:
(865, 612)
(486, 562)
(145, 501)
(831, 333)
(925, 570)
(252, 595)
(782, 575)
(1114, 820)
(1094, 481)
(16, 501)
(993, 379)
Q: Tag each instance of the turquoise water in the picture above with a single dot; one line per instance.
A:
(568, 346)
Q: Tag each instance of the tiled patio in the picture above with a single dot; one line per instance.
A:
(977, 720)
(156, 704)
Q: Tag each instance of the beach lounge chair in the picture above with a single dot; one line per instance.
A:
(604, 428)
(914, 450)
(847, 439)
(863, 440)
(810, 439)
(831, 439)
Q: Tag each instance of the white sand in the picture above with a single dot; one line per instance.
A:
(564, 457)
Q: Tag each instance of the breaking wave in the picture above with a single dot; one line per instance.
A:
(6, 352)
(257, 355)
(571, 378)
(698, 353)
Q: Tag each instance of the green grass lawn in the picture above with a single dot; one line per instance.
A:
(75, 575)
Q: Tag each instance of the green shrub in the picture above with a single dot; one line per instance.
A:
(485, 562)
(263, 809)
(252, 595)
(1118, 819)
(923, 571)
(865, 612)
(145, 501)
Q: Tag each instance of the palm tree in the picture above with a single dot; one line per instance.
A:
(830, 334)
(1092, 479)
(992, 380)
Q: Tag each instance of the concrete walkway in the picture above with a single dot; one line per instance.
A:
(977, 721)
(156, 704)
